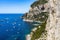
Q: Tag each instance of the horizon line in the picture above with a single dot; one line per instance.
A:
(10, 13)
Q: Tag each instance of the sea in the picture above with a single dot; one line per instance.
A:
(12, 27)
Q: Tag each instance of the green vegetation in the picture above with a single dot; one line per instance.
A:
(42, 1)
(40, 17)
(38, 2)
(43, 16)
(38, 32)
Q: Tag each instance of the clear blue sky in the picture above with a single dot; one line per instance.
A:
(15, 6)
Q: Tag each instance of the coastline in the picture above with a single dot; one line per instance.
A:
(28, 36)
(27, 20)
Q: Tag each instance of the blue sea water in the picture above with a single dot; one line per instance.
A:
(12, 27)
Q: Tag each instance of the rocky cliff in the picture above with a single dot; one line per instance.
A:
(38, 10)
(53, 24)
(46, 11)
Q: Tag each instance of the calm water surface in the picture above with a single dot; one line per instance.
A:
(12, 27)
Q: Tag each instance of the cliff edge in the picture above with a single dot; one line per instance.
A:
(47, 12)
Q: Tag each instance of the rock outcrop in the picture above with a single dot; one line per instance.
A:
(49, 12)
(37, 11)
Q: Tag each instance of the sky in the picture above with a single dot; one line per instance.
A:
(15, 6)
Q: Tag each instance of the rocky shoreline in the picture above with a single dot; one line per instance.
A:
(48, 12)
(28, 37)
(37, 13)
(27, 20)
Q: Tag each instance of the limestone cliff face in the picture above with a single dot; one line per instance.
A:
(51, 24)
(37, 11)
(53, 21)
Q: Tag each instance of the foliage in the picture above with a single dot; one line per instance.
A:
(38, 2)
(38, 32)
(39, 16)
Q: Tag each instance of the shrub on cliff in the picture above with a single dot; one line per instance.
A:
(38, 2)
